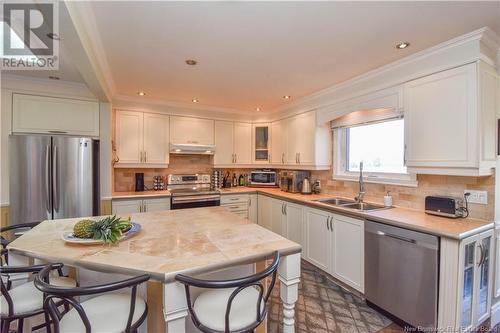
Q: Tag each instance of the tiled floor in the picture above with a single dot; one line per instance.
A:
(324, 307)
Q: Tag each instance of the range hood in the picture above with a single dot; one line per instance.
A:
(191, 149)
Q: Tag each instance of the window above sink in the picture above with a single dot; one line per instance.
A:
(376, 138)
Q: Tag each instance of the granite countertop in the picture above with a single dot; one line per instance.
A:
(143, 194)
(188, 241)
(402, 217)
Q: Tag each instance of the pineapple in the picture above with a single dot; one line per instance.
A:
(109, 229)
(82, 229)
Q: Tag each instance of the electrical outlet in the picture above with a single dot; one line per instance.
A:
(477, 197)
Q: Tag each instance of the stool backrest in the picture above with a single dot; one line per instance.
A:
(67, 294)
(253, 281)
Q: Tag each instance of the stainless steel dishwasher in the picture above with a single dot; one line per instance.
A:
(401, 273)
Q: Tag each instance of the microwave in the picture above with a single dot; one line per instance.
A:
(263, 178)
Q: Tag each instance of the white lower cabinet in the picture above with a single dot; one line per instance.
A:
(131, 206)
(270, 214)
(318, 238)
(476, 255)
(293, 222)
(253, 207)
(348, 251)
(244, 205)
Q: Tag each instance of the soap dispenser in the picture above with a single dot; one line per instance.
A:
(388, 199)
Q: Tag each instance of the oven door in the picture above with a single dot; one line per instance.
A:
(194, 201)
(263, 178)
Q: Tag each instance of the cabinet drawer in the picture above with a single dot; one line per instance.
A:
(236, 207)
(234, 199)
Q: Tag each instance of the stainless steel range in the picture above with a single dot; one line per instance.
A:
(190, 191)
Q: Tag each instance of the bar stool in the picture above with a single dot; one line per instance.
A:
(25, 300)
(237, 305)
(107, 313)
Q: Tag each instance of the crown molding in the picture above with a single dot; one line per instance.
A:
(483, 35)
(84, 22)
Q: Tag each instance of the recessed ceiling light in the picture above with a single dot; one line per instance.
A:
(257, 109)
(52, 77)
(402, 45)
(191, 62)
(53, 36)
(141, 93)
(286, 97)
(195, 100)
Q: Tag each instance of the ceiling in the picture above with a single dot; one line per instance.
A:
(251, 54)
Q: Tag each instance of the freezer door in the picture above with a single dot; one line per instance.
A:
(72, 177)
(30, 178)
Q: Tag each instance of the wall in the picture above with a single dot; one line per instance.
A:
(124, 178)
(413, 197)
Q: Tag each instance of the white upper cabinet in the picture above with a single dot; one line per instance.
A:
(233, 143)
(307, 144)
(279, 142)
(243, 143)
(53, 115)
(142, 139)
(187, 130)
(156, 136)
(450, 121)
(261, 143)
(224, 141)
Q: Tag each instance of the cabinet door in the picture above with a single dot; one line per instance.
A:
(41, 114)
(123, 207)
(189, 130)
(156, 136)
(468, 274)
(279, 142)
(155, 205)
(129, 136)
(243, 143)
(293, 222)
(292, 140)
(264, 212)
(277, 213)
(318, 238)
(441, 119)
(305, 124)
(261, 143)
(348, 251)
(253, 208)
(224, 138)
(484, 277)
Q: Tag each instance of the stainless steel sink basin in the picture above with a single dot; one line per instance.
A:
(363, 206)
(336, 201)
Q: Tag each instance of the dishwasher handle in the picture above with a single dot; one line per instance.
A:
(401, 238)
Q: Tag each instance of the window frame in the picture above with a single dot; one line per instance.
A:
(340, 159)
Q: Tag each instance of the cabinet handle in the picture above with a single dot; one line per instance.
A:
(145, 156)
(282, 158)
(282, 209)
(285, 209)
(58, 132)
(140, 208)
(481, 258)
(144, 209)
(327, 225)
(331, 223)
(299, 158)
(404, 156)
(235, 158)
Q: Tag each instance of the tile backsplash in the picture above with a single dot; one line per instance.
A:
(413, 197)
(403, 196)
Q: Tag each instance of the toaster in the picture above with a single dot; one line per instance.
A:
(445, 206)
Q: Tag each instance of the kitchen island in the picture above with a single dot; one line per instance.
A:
(188, 241)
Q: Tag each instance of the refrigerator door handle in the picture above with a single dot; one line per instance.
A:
(47, 179)
(55, 179)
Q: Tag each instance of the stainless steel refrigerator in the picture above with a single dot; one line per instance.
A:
(53, 177)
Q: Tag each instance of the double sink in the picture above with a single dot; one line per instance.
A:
(351, 204)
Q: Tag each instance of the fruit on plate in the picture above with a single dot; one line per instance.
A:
(108, 229)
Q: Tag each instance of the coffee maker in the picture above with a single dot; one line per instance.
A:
(291, 180)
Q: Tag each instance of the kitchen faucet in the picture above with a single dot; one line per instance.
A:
(361, 193)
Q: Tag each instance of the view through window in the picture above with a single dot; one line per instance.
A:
(380, 146)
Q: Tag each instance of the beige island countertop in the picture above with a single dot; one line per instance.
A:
(189, 241)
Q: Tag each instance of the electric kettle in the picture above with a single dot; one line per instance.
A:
(306, 186)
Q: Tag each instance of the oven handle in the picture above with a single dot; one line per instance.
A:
(199, 198)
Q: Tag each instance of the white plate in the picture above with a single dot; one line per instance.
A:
(69, 237)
